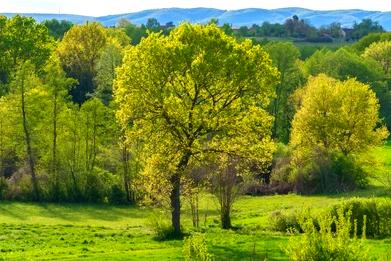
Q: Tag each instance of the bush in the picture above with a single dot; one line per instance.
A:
(322, 172)
(117, 195)
(323, 243)
(196, 249)
(284, 222)
(376, 211)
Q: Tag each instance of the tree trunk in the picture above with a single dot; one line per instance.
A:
(125, 162)
(1, 148)
(175, 196)
(226, 217)
(54, 149)
(29, 151)
(176, 203)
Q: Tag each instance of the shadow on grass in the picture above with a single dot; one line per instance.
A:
(369, 191)
(71, 212)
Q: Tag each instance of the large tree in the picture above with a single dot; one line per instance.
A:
(193, 92)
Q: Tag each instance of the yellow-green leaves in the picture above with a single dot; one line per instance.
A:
(380, 52)
(337, 116)
(195, 91)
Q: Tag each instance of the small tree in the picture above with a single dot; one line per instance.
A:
(336, 121)
(226, 183)
(58, 85)
(338, 116)
(284, 56)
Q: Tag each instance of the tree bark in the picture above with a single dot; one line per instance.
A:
(176, 203)
(226, 217)
(54, 149)
(175, 196)
(125, 162)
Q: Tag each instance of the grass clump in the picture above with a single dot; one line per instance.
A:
(162, 228)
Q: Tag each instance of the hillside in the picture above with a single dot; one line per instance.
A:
(235, 17)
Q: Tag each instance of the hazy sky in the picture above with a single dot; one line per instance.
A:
(105, 7)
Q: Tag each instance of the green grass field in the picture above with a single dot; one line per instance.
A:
(98, 232)
(306, 48)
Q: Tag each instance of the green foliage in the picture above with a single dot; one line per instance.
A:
(380, 52)
(117, 195)
(336, 121)
(340, 116)
(110, 59)
(3, 187)
(284, 56)
(79, 52)
(206, 92)
(21, 40)
(371, 38)
(372, 216)
(196, 249)
(134, 32)
(377, 213)
(57, 29)
(284, 222)
(323, 243)
(365, 27)
(343, 64)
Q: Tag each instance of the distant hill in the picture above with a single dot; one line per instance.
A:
(237, 18)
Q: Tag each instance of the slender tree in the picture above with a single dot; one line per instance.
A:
(58, 85)
(25, 80)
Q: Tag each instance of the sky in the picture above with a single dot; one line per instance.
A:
(106, 7)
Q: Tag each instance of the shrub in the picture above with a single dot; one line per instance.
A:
(93, 190)
(196, 249)
(117, 195)
(324, 172)
(323, 243)
(376, 211)
(284, 222)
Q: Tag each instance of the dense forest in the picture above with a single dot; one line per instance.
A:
(156, 115)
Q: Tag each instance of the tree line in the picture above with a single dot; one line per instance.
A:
(294, 28)
(90, 117)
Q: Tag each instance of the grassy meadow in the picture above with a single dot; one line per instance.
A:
(30, 231)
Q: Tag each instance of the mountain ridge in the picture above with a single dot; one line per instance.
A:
(240, 17)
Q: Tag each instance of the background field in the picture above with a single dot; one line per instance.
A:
(100, 232)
